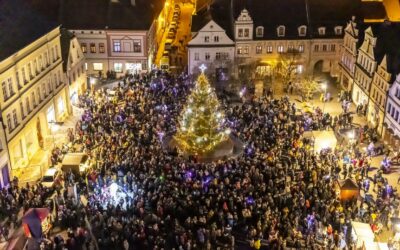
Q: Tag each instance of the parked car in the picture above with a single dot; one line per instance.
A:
(52, 178)
(171, 35)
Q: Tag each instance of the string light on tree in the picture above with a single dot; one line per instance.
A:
(201, 125)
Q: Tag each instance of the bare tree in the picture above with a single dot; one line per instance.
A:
(287, 64)
(308, 87)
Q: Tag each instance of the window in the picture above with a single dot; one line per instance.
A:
(324, 47)
(290, 47)
(280, 49)
(97, 66)
(15, 118)
(28, 105)
(316, 47)
(216, 39)
(240, 33)
(246, 32)
(23, 75)
(117, 46)
(35, 67)
(118, 67)
(301, 48)
(206, 39)
(92, 48)
(218, 56)
(243, 50)
(137, 46)
(50, 86)
(9, 123)
(59, 78)
(269, 49)
(22, 110)
(389, 108)
(281, 31)
(56, 49)
(33, 97)
(101, 48)
(207, 56)
(30, 71)
(46, 59)
(38, 94)
(321, 31)
(10, 86)
(260, 31)
(40, 63)
(84, 48)
(302, 30)
(60, 105)
(258, 49)
(196, 56)
(44, 91)
(333, 47)
(54, 54)
(4, 88)
(338, 30)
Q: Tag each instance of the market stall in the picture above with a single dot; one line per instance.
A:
(347, 189)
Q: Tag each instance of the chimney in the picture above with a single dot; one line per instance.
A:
(133, 3)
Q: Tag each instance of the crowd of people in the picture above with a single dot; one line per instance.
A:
(277, 194)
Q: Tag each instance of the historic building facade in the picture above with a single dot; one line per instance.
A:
(34, 96)
(212, 47)
(348, 56)
(73, 66)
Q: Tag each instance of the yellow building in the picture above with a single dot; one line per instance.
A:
(34, 96)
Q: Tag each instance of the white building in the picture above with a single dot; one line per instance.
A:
(73, 65)
(364, 69)
(212, 47)
(392, 121)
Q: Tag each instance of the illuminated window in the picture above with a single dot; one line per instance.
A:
(321, 31)
(117, 46)
(338, 30)
(258, 49)
(301, 48)
(92, 48)
(269, 49)
(84, 48)
(97, 66)
(101, 48)
(280, 49)
(118, 67)
(60, 105)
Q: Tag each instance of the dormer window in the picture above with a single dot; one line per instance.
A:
(259, 31)
(302, 30)
(281, 31)
(338, 30)
(321, 31)
(206, 39)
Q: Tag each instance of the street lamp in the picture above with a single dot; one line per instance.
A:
(324, 86)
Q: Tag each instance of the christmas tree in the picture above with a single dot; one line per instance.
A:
(201, 125)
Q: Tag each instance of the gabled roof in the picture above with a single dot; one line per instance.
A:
(348, 184)
(219, 11)
(387, 43)
(20, 25)
(66, 38)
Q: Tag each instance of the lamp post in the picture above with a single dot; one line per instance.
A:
(324, 86)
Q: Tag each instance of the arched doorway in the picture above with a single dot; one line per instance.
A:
(318, 67)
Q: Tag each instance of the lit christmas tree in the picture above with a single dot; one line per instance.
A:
(201, 125)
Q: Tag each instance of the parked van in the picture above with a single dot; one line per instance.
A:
(76, 162)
